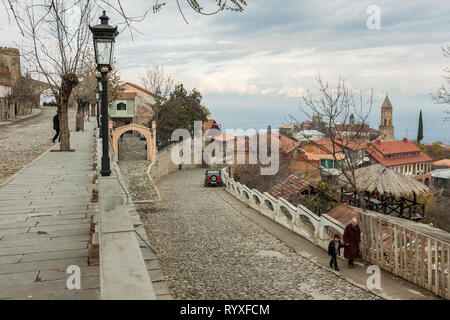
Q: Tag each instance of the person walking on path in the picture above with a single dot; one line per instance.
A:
(56, 127)
(352, 238)
(334, 249)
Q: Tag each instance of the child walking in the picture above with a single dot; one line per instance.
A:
(334, 249)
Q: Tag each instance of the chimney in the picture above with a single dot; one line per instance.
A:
(405, 140)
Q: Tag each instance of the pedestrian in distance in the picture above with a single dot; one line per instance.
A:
(56, 127)
(352, 238)
(334, 250)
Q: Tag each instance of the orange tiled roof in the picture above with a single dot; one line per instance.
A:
(326, 156)
(289, 188)
(209, 123)
(127, 95)
(442, 163)
(343, 213)
(393, 147)
(139, 88)
(285, 144)
(421, 157)
(353, 145)
(327, 145)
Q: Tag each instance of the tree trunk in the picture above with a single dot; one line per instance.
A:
(93, 110)
(68, 82)
(79, 126)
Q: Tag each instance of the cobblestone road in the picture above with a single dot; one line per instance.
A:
(23, 141)
(133, 165)
(209, 250)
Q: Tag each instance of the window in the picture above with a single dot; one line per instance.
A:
(121, 106)
(323, 163)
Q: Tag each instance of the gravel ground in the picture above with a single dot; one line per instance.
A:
(23, 141)
(209, 250)
(133, 165)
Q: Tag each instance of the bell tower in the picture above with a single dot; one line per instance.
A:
(386, 127)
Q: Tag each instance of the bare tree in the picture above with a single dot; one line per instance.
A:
(442, 95)
(160, 83)
(342, 111)
(56, 38)
(83, 93)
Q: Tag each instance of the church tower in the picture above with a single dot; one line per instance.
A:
(386, 127)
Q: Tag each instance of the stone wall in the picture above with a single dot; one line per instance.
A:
(10, 109)
(10, 60)
(163, 166)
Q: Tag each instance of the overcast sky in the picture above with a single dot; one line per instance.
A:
(251, 66)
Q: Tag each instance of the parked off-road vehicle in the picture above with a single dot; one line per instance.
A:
(213, 178)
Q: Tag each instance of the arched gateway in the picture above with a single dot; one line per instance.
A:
(149, 136)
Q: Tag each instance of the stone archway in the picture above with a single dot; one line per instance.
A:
(149, 136)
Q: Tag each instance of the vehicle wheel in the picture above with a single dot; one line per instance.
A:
(213, 178)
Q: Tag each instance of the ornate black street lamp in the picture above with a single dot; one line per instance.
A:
(104, 37)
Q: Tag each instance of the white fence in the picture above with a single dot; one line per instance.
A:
(296, 218)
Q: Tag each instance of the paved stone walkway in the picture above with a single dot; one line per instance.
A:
(44, 224)
(210, 250)
(23, 141)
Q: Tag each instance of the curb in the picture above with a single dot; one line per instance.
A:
(14, 120)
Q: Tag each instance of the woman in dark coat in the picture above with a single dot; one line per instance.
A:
(352, 238)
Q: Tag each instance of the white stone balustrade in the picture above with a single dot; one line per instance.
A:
(296, 218)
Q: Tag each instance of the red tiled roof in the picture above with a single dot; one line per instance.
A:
(353, 145)
(421, 157)
(285, 144)
(127, 95)
(139, 88)
(343, 213)
(209, 123)
(327, 145)
(392, 147)
(286, 126)
(442, 163)
(289, 188)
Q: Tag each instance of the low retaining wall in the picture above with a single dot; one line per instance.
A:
(123, 273)
(296, 218)
(163, 166)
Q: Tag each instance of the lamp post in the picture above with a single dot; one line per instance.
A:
(99, 90)
(97, 99)
(104, 37)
